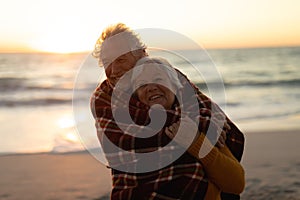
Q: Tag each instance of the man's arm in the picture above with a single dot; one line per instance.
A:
(120, 140)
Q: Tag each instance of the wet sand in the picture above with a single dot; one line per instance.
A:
(53, 176)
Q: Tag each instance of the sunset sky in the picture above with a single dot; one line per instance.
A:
(70, 26)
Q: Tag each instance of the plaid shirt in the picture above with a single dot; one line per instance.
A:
(182, 179)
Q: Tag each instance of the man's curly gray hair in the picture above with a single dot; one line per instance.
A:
(114, 30)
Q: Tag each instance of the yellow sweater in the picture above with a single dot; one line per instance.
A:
(224, 172)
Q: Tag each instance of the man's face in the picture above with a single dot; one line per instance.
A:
(119, 67)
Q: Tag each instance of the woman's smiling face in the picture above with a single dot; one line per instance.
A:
(155, 87)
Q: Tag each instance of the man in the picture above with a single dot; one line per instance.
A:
(118, 49)
(120, 55)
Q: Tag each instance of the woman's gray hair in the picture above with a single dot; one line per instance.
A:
(166, 67)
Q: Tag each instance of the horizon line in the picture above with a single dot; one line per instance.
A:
(207, 48)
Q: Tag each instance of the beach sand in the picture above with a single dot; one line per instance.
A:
(68, 176)
(271, 161)
(272, 164)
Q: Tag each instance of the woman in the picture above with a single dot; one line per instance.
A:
(156, 82)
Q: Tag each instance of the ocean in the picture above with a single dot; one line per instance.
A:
(44, 102)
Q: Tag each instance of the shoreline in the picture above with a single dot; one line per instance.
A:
(84, 151)
(270, 160)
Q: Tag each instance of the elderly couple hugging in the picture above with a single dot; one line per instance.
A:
(162, 137)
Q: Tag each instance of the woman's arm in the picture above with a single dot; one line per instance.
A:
(220, 165)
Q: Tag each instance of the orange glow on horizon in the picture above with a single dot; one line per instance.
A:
(64, 46)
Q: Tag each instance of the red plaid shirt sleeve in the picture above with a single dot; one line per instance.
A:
(211, 117)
